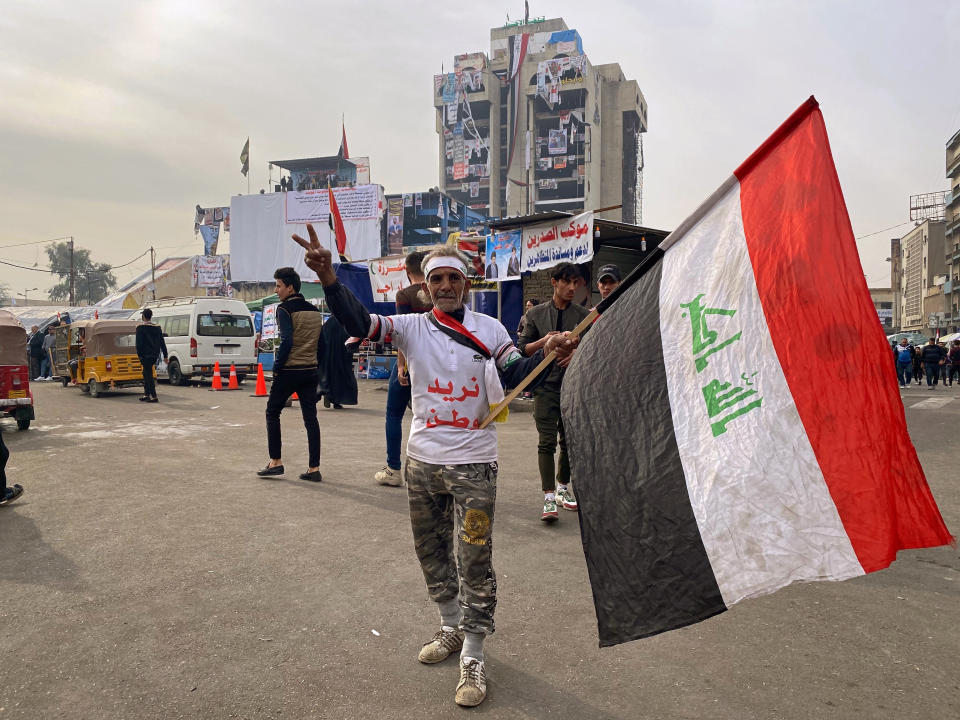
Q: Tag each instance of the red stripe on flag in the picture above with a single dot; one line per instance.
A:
(832, 349)
(338, 229)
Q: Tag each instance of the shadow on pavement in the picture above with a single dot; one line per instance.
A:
(28, 559)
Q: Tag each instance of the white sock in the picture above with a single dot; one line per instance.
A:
(549, 497)
(450, 613)
(473, 646)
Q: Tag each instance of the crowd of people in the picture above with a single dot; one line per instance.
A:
(932, 361)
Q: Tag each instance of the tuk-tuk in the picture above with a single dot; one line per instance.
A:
(16, 399)
(98, 355)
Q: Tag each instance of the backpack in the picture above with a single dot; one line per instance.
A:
(903, 354)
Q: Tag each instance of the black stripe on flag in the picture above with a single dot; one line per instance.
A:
(648, 568)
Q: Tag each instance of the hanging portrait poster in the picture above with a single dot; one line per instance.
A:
(503, 256)
(557, 142)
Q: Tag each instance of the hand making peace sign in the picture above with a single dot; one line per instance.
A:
(317, 257)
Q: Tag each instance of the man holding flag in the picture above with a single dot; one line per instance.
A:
(456, 360)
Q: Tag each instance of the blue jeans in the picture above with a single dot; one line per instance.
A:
(905, 372)
(397, 398)
(933, 374)
(45, 366)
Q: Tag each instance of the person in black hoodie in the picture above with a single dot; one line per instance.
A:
(932, 357)
(954, 358)
(295, 371)
(150, 346)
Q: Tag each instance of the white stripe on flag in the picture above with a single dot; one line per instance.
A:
(759, 496)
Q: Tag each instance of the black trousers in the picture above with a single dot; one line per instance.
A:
(4, 456)
(149, 382)
(304, 384)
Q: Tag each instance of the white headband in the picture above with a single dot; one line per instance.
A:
(445, 261)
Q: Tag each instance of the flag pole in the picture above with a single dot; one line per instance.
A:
(638, 272)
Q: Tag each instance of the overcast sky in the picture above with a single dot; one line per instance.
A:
(117, 118)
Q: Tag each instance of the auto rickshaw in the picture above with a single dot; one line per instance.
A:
(16, 400)
(98, 355)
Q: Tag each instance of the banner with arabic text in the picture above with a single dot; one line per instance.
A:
(387, 276)
(566, 240)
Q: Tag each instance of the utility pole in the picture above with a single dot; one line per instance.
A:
(71, 272)
(153, 274)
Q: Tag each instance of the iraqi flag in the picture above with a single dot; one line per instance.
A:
(746, 432)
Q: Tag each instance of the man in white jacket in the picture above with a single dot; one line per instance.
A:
(456, 358)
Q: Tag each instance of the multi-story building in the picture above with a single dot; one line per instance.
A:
(896, 282)
(952, 235)
(883, 303)
(534, 126)
(922, 275)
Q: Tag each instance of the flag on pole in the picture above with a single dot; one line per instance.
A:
(343, 152)
(712, 463)
(245, 158)
(336, 225)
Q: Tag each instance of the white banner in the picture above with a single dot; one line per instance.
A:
(569, 240)
(387, 276)
(260, 237)
(208, 271)
(268, 327)
(313, 206)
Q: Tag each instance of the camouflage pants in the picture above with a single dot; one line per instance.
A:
(451, 511)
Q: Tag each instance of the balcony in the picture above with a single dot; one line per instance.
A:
(947, 287)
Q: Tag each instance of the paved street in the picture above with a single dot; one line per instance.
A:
(148, 573)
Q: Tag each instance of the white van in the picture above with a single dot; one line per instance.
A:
(200, 331)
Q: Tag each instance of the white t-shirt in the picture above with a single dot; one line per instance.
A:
(447, 386)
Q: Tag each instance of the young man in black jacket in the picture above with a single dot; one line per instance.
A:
(150, 346)
(294, 371)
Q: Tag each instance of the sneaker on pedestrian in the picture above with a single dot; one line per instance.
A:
(447, 640)
(549, 514)
(39, 378)
(472, 688)
(388, 476)
(566, 500)
(11, 494)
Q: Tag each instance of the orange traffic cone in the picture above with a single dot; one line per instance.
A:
(294, 397)
(217, 380)
(232, 383)
(261, 390)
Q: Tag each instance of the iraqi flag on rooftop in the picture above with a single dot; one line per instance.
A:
(746, 432)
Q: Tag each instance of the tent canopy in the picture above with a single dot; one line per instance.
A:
(311, 291)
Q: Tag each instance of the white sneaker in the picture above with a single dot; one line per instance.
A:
(40, 378)
(472, 688)
(388, 476)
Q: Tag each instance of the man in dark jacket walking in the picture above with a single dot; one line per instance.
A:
(36, 352)
(150, 346)
(954, 358)
(294, 371)
(932, 357)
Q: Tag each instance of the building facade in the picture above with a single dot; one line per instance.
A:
(922, 278)
(534, 126)
(952, 236)
(883, 303)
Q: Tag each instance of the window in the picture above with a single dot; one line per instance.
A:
(223, 325)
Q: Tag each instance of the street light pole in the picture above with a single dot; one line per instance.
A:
(71, 273)
(24, 293)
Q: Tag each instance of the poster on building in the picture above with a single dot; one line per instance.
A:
(363, 169)
(549, 244)
(388, 275)
(408, 199)
(208, 272)
(503, 256)
(210, 235)
(269, 329)
(557, 142)
(313, 206)
(395, 225)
